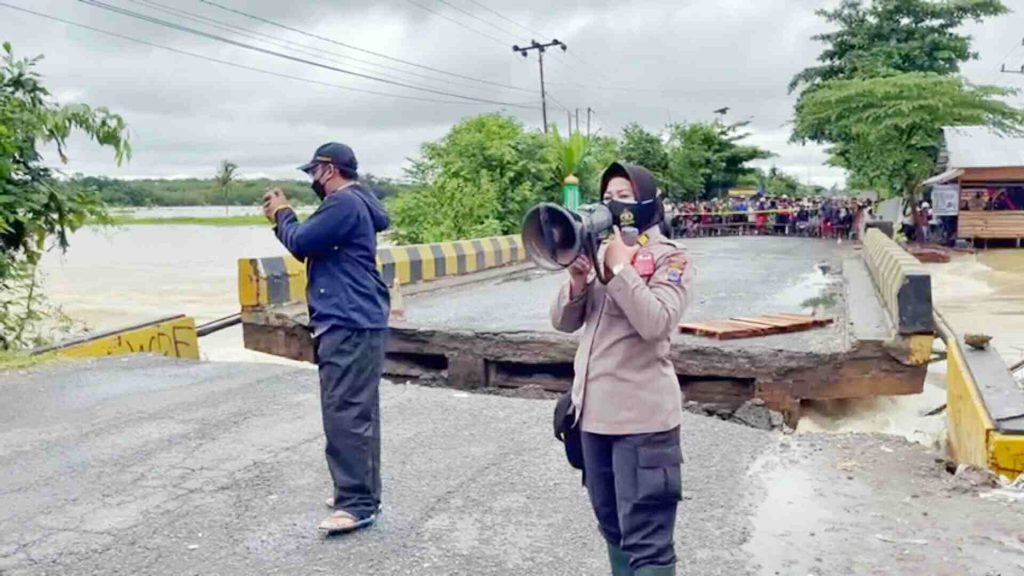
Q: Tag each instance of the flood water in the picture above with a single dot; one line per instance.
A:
(982, 293)
(115, 276)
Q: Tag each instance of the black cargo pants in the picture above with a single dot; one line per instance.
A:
(351, 363)
(635, 486)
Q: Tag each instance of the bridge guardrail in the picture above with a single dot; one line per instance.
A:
(282, 279)
(903, 284)
(173, 336)
(985, 409)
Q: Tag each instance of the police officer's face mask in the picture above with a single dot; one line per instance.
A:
(631, 214)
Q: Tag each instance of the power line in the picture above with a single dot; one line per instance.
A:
(290, 57)
(302, 48)
(227, 63)
(456, 22)
(353, 47)
(507, 19)
(526, 28)
(475, 17)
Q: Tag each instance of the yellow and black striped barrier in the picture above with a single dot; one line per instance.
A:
(282, 279)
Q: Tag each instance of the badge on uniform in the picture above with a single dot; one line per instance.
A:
(644, 264)
(676, 265)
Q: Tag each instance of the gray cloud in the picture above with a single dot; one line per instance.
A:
(650, 61)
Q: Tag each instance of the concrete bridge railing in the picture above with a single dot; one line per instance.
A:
(904, 286)
(985, 407)
(282, 279)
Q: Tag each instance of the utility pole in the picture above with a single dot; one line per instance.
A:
(541, 48)
(569, 114)
(577, 120)
(589, 110)
(1004, 70)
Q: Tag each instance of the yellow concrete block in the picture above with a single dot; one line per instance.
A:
(1006, 454)
(428, 261)
(451, 259)
(175, 338)
(506, 248)
(470, 251)
(403, 268)
(490, 256)
(921, 348)
(969, 422)
(249, 283)
(296, 279)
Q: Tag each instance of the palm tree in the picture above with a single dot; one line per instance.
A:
(223, 180)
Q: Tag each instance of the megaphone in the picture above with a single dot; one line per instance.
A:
(555, 237)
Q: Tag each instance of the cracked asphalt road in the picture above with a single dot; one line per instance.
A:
(150, 466)
(145, 465)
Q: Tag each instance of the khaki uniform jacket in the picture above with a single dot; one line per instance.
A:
(625, 383)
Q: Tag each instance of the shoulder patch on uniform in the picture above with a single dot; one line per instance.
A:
(675, 276)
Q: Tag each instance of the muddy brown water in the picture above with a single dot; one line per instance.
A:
(982, 292)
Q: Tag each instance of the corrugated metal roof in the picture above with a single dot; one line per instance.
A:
(980, 147)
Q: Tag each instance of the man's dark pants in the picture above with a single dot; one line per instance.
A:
(351, 364)
(635, 486)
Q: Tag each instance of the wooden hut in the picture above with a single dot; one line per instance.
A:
(986, 172)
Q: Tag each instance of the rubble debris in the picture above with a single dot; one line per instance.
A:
(977, 341)
(752, 413)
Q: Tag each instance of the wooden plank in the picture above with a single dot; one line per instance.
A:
(813, 320)
(751, 326)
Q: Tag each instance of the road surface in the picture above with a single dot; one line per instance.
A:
(149, 466)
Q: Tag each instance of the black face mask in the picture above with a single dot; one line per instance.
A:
(639, 215)
(318, 188)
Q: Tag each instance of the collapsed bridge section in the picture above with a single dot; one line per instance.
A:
(490, 328)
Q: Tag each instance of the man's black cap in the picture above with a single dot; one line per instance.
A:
(333, 153)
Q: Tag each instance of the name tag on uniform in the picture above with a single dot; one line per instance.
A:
(644, 264)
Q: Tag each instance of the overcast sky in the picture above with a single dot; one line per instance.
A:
(650, 61)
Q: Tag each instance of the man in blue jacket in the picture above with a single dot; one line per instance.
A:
(348, 314)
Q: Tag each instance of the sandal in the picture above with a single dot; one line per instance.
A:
(342, 522)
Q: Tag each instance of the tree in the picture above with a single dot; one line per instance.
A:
(223, 179)
(892, 126)
(639, 146)
(895, 35)
(480, 178)
(705, 160)
(36, 213)
(601, 151)
(570, 152)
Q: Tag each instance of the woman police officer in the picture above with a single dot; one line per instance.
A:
(626, 394)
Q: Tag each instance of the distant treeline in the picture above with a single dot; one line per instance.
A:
(203, 192)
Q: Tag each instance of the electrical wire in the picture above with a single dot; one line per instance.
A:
(458, 23)
(507, 19)
(302, 48)
(231, 64)
(477, 18)
(353, 47)
(193, 31)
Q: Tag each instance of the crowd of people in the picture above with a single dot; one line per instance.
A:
(764, 215)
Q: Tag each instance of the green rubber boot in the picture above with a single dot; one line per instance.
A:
(669, 570)
(619, 561)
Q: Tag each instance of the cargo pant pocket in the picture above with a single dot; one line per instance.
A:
(658, 477)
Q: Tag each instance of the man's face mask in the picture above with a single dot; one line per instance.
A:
(317, 185)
